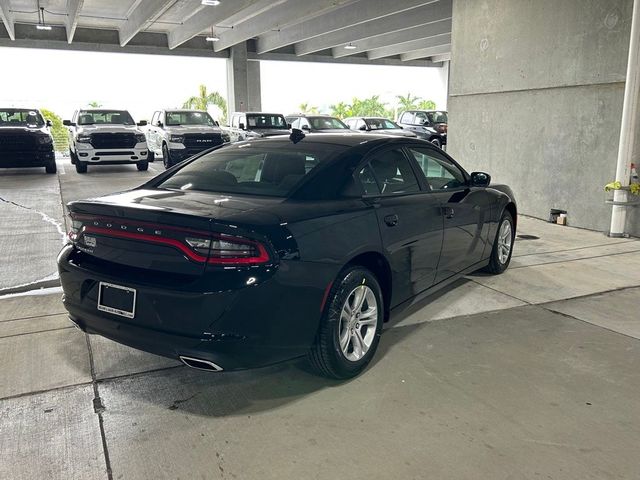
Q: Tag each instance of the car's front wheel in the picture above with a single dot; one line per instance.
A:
(73, 156)
(350, 328)
(502, 245)
(151, 156)
(81, 167)
(166, 157)
(143, 166)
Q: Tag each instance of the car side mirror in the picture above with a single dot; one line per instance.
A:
(68, 123)
(142, 123)
(241, 126)
(49, 124)
(363, 127)
(480, 179)
(289, 126)
(306, 127)
(159, 124)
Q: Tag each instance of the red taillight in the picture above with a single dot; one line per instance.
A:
(198, 246)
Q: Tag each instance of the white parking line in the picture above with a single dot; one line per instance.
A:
(60, 167)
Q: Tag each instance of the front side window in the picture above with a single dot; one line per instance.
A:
(441, 173)
(189, 118)
(247, 169)
(21, 118)
(266, 121)
(326, 123)
(104, 117)
(381, 124)
(393, 173)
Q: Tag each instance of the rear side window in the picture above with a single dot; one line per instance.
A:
(407, 117)
(441, 173)
(393, 173)
(244, 169)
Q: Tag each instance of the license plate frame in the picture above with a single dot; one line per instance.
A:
(120, 310)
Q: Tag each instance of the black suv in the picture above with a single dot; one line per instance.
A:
(25, 140)
(427, 124)
(317, 123)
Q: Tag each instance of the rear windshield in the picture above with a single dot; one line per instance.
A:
(109, 117)
(190, 118)
(266, 121)
(326, 123)
(20, 118)
(251, 169)
(380, 124)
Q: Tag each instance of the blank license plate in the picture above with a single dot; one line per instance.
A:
(117, 299)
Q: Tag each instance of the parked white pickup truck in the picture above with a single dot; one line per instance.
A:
(179, 134)
(106, 137)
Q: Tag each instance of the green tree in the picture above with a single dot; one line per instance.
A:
(305, 108)
(204, 99)
(410, 102)
(340, 110)
(427, 105)
(94, 104)
(58, 130)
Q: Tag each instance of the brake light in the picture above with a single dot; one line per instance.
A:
(198, 246)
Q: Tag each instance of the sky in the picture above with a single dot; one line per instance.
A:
(62, 81)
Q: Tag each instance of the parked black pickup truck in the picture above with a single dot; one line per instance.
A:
(25, 140)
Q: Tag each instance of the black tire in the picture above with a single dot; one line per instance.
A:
(436, 141)
(81, 167)
(73, 156)
(151, 156)
(326, 355)
(496, 266)
(143, 166)
(166, 157)
(51, 167)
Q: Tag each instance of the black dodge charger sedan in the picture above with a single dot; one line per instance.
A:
(272, 249)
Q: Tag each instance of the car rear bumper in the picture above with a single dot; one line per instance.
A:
(272, 320)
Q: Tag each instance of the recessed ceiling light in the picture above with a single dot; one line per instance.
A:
(211, 3)
(213, 39)
(43, 27)
(350, 46)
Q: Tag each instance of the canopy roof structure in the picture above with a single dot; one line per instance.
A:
(402, 32)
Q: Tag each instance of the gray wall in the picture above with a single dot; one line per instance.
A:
(535, 99)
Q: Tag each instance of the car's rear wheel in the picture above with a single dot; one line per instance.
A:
(166, 157)
(350, 328)
(143, 166)
(81, 167)
(502, 245)
(51, 167)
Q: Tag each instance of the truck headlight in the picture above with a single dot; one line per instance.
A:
(226, 138)
(82, 138)
(176, 138)
(140, 138)
(44, 140)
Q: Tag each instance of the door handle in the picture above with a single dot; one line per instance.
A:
(448, 212)
(391, 220)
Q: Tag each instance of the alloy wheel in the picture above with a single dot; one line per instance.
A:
(358, 320)
(505, 241)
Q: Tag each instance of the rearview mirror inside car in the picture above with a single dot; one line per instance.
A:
(480, 179)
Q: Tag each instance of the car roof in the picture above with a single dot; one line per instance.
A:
(256, 113)
(345, 139)
(184, 110)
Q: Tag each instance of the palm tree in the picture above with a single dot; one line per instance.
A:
(341, 110)
(204, 99)
(427, 105)
(305, 108)
(94, 104)
(407, 103)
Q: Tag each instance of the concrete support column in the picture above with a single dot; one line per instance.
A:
(243, 81)
(628, 125)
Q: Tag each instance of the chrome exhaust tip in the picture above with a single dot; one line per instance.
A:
(200, 364)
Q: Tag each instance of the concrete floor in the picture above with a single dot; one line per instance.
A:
(531, 374)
